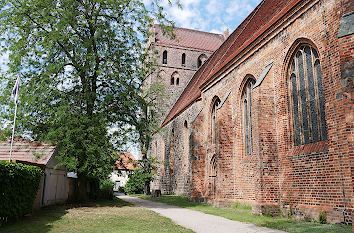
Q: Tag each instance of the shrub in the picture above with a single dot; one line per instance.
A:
(136, 181)
(121, 189)
(19, 185)
(106, 189)
(322, 217)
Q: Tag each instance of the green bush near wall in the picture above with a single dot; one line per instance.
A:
(19, 185)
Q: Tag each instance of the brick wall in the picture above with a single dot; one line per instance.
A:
(277, 176)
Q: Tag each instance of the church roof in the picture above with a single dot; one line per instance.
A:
(189, 38)
(126, 161)
(259, 21)
(26, 151)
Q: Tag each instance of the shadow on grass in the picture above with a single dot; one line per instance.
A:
(44, 219)
(40, 221)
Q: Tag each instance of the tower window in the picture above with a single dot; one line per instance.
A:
(183, 59)
(164, 57)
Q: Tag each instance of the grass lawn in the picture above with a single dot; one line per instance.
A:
(102, 216)
(244, 214)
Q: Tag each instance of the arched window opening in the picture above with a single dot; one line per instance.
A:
(213, 126)
(201, 59)
(247, 115)
(185, 124)
(175, 78)
(164, 57)
(307, 98)
(183, 59)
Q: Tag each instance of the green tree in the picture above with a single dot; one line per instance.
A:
(81, 62)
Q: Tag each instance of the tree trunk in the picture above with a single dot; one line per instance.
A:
(81, 195)
(147, 188)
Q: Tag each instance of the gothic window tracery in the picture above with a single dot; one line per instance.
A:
(307, 99)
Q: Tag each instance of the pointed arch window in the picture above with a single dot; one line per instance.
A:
(213, 126)
(164, 57)
(183, 59)
(307, 98)
(172, 80)
(201, 59)
(175, 78)
(247, 115)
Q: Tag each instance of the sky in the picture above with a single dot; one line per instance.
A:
(210, 15)
(205, 15)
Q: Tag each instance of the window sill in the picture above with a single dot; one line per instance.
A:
(309, 148)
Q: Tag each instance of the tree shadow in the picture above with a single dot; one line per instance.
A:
(44, 219)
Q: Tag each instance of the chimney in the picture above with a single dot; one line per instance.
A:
(226, 33)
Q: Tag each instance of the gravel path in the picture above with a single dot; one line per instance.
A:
(197, 221)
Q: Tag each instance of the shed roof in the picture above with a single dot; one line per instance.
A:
(27, 151)
(126, 161)
(190, 38)
(261, 19)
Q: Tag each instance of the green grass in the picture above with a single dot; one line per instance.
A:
(243, 213)
(102, 216)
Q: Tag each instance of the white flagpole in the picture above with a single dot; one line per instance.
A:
(13, 132)
(15, 93)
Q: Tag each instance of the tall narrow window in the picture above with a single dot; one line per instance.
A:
(247, 115)
(307, 99)
(172, 80)
(177, 81)
(164, 57)
(183, 59)
(213, 127)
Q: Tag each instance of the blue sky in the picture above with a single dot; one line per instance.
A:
(211, 15)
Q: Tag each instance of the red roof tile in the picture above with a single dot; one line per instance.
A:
(126, 161)
(190, 38)
(32, 152)
(259, 21)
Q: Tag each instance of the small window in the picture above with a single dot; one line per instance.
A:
(164, 57)
(201, 59)
(183, 59)
(175, 78)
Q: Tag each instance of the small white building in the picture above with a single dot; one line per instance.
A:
(123, 167)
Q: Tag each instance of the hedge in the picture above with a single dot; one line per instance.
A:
(19, 185)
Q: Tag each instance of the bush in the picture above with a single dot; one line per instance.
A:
(19, 185)
(121, 189)
(136, 181)
(106, 189)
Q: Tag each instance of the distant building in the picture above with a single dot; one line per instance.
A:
(123, 168)
(54, 185)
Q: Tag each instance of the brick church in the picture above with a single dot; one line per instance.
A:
(263, 116)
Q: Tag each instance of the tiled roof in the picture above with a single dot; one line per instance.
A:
(267, 13)
(32, 152)
(126, 161)
(190, 38)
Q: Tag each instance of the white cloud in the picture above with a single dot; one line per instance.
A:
(214, 7)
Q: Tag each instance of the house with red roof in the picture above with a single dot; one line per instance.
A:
(125, 164)
(266, 119)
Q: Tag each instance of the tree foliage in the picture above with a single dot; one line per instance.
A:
(81, 63)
